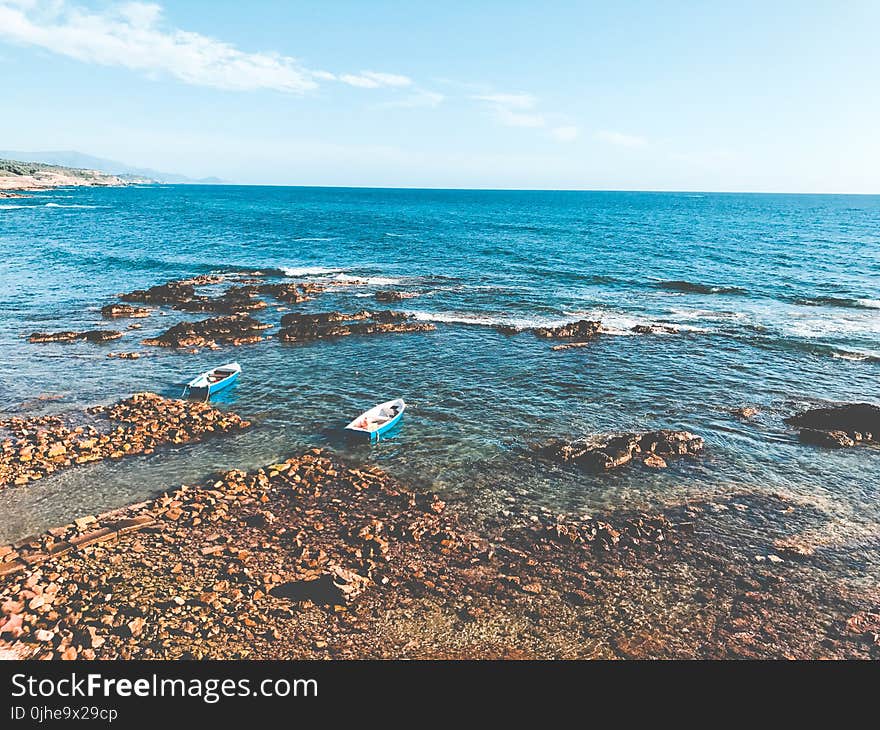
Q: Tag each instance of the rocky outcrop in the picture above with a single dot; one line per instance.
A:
(172, 292)
(237, 329)
(116, 311)
(601, 453)
(840, 426)
(68, 336)
(581, 331)
(298, 327)
(291, 293)
(393, 296)
(234, 300)
(182, 295)
(38, 446)
(654, 329)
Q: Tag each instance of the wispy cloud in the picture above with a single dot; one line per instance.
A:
(375, 80)
(419, 98)
(620, 139)
(508, 101)
(513, 110)
(134, 35)
(521, 110)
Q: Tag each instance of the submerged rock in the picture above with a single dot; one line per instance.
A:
(68, 336)
(745, 412)
(839, 426)
(298, 327)
(601, 453)
(237, 329)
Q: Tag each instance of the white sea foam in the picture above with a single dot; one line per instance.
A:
(855, 356)
(307, 270)
(366, 280)
(13, 206)
(869, 303)
(69, 205)
(618, 323)
(488, 320)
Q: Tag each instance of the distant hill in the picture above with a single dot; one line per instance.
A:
(79, 160)
(18, 177)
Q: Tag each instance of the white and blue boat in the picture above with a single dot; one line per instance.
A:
(214, 380)
(377, 421)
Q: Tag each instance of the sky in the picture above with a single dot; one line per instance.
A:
(627, 95)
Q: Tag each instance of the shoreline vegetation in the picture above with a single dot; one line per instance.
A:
(19, 178)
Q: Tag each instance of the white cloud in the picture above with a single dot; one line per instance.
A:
(375, 80)
(521, 110)
(513, 110)
(133, 35)
(567, 133)
(420, 98)
(620, 139)
(509, 101)
(519, 119)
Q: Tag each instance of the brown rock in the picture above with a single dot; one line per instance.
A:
(91, 336)
(114, 311)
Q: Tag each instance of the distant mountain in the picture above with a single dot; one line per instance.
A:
(70, 158)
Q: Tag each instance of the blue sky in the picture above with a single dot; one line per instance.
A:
(764, 96)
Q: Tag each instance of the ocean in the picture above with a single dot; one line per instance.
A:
(776, 299)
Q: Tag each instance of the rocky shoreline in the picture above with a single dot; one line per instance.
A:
(35, 447)
(313, 558)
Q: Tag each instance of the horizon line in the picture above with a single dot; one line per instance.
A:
(501, 190)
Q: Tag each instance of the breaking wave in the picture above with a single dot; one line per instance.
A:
(845, 302)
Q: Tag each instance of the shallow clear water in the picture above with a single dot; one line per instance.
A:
(777, 297)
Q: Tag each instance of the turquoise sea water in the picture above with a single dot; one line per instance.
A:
(777, 298)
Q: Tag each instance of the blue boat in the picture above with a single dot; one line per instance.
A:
(213, 381)
(379, 420)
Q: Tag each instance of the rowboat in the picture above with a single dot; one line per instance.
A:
(378, 420)
(214, 380)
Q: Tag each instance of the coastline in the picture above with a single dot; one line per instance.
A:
(313, 558)
(18, 178)
(317, 556)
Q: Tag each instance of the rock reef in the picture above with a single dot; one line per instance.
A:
(298, 327)
(582, 331)
(33, 448)
(115, 311)
(236, 329)
(840, 426)
(602, 453)
(393, 296)
(68, 336)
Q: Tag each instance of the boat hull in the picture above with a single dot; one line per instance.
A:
(202, 386)
(377, 433)
(223, 384)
